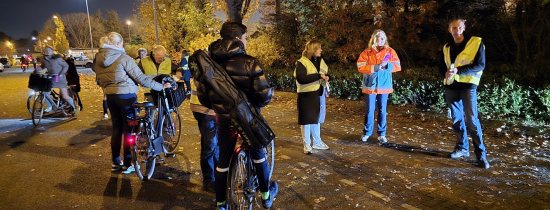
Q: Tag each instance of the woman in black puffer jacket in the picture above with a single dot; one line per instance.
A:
(248, 75)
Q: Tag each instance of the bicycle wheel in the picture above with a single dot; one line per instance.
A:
(241, 189)
(31, 99)
(144, 161)
(269, 151)
(171, 132)
(37, 109)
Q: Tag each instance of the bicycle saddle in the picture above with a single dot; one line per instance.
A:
(144, 105)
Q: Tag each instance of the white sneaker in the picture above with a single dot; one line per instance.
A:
(365, 138)
(382, 139)
(320, 145)
(307, 149)
(129, 170)
(105, 117)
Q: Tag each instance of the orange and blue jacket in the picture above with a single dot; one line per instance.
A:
(377, 80)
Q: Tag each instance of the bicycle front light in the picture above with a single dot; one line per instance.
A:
(31, 93)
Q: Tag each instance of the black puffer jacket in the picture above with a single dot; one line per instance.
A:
(246, 72)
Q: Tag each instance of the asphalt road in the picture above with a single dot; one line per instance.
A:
(64, 163)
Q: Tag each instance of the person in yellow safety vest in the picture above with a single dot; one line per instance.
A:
(153, 65)
(311, 82)
(208, 127)
(186, 72)
(461, 67)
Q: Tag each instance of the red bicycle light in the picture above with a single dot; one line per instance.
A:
(131, 139)
(133, 122)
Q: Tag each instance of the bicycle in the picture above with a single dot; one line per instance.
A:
(54, 95)
(53, 98)
(149, 139)
(242, 180)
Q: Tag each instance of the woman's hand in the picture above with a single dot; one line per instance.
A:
(325, 77)
(450, 73)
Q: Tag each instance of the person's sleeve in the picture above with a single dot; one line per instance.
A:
(394, 65)
(302, 77)
(64, 66)
(478, 64)
(442, 65)
(263, 92)
(366, 65)
(137, 75)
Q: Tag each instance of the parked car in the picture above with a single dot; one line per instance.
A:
(83, 61)
(6, 63)
(1, 67)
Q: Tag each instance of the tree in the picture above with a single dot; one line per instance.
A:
(240, 9)
(61, 43)
(77, 29)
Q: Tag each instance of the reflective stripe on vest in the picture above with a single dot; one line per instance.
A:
(466, 57)
(194, 98)
(186, 66)
(310, 68)
(150, 69)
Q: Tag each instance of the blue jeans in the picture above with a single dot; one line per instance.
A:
(208, 128)
(121, 108)
(187, 79)
(373, 101)
(464, 103)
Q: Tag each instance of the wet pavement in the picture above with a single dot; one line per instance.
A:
(64, 164)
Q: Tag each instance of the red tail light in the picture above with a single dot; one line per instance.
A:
(133, 122)
(131, 139)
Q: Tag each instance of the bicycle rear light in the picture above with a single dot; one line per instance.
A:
(132, 138)
(133, 122)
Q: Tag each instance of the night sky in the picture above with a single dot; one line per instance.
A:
(19, 17)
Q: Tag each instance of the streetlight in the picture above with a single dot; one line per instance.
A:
(129, 37)
(90, 25)
(39, 43)
(53, 41)
(156, 25)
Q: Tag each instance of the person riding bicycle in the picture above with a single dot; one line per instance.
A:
(57, 67)
(24, 62)
(248, 75)
(119, 76)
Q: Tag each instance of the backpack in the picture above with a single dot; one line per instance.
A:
(245, 118)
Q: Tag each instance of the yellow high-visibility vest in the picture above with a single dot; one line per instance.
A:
(310, 68)
(151, 70)
(466, 57)
(194, 98)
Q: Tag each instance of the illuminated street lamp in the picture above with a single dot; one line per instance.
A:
(8, 43)
(53, 41)
(129, 38)
(39, 42)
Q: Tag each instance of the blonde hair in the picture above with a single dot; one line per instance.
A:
(372, 41)
(112, 38)
(311, 47)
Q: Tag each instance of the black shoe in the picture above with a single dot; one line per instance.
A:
(460, 153)
(223, 207)
(273, 190)
(483, 163)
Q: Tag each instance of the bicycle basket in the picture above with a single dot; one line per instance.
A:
(40, 82)
(175, 97)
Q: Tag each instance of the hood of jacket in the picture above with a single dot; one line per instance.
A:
(107, 56)
(224, 49)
